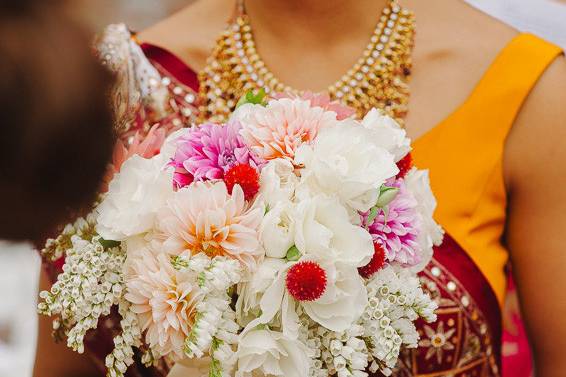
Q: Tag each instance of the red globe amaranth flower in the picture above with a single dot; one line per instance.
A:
(245, 176)
(377, 262)
(306, 281)
(405, 164)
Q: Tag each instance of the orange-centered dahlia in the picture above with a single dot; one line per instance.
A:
(204, 217)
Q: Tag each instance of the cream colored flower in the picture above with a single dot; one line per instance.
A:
(323, 231)
(134, 198)
(270, 353)
(278, 129)
(387, 133)
(343, 301)
(345, 161)
(252, 289)
(204, 217)
(278, 181)
(164, 299)
(277, 230)
(341, 305)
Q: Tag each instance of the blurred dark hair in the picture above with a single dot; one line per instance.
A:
(22, 5)
(55, 121)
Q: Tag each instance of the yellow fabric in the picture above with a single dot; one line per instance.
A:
(464, 155)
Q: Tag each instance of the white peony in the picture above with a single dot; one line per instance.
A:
(270, 353)
(251, 291)
(277, 230)
(323, 231)
(341, 305)
(278, 181)
(345, 161)
(324, 234)
(417, 183)
(387, 133)
(134, 197)
(344, 300)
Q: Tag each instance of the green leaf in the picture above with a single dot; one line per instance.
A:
(201, 279)
(255, 99)
(215, 368)
(293, 254)
(386, 195)
(109, 244)
(216, 343)
(262, 326)
(373, 212)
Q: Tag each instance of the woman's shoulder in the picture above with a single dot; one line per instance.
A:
(539, 127)
(535, 147)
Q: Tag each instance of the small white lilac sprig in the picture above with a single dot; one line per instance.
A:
(215, 330)
(118, 361)
(396, 301)
(91, 283)
(336, 354)
(55, 248)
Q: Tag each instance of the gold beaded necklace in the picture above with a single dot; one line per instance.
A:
(378, 79)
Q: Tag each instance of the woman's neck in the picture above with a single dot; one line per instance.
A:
(313, 21)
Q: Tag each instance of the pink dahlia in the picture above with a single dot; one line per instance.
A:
(182, 178)
(164, 300)
(324, 101)
(397, 229)
(210, 150)
(205, 217)
(278, 129)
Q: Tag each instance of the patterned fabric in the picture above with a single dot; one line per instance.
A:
(466, 339)
(157, 88)
(144, 96)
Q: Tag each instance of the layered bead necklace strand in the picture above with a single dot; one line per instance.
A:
(378, 79)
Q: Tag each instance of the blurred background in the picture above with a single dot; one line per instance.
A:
(19, 265)
(138, 14)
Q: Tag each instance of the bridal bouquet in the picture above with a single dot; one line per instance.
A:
(285, 242)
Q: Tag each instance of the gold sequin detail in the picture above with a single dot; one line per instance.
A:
(379, 78)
